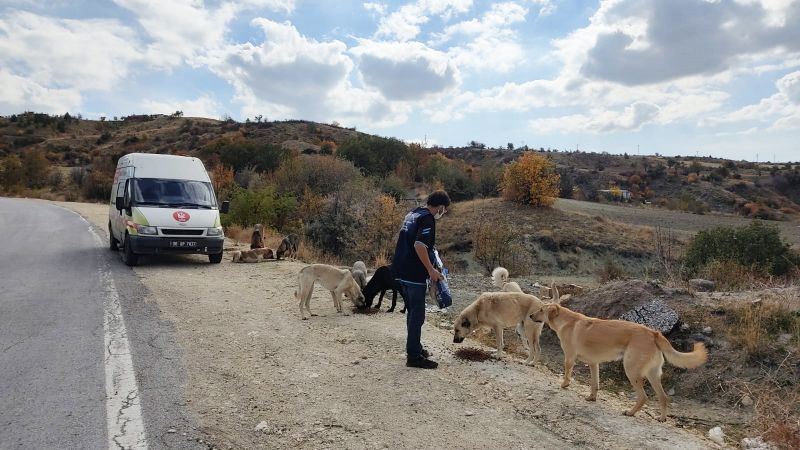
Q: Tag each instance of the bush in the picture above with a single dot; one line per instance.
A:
(489, 180)
(12, 172)
(36, 168)
(264, 206)
(531, 180)
(322, 174)
(376, 155)
(610, 271)
(394, 187)
(499, 245)
(240, 153)
(756, 246)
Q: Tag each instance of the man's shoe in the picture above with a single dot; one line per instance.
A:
(425, 354)
(422, 363)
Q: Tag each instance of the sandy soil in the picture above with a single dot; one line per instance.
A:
(340, 381)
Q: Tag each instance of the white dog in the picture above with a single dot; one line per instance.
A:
(360, 273)
(339, 282)
(500, 279)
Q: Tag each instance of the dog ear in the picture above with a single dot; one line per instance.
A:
(552, 311)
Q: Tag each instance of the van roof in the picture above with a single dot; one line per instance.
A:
(173, 167)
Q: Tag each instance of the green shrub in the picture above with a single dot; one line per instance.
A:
(757, 246)
(239, 154)
(264, 206)
(322, 174)
(376, 155)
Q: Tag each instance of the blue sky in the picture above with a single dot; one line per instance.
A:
(708, 77)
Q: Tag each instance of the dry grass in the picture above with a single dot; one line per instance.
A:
(755, 327)
(381, 260)
(311, 255)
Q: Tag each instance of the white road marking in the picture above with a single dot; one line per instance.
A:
(124, 423)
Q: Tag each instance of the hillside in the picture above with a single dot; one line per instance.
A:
(695, 184)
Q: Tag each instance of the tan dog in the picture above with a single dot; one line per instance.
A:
(257, 239)
(500, 310)
(265, 253)
(500, 279)
(245, 256)
(641, 349)
(339, 282)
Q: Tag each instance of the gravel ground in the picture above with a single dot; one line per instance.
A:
(259, 377)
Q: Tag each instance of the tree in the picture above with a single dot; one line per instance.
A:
(531, 180)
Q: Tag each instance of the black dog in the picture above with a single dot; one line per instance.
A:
(382, 281)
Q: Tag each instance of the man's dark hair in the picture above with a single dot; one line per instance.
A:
(439, 198)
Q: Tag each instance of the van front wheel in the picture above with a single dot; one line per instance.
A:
(215, 258)
(128, 257)
(113, 243)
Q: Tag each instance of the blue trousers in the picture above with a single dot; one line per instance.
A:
(414, 296)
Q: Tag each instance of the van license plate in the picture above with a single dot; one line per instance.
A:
(181, 244)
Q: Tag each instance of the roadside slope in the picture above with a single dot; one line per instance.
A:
(340, 381)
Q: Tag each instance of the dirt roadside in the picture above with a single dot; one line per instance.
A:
(340, 381)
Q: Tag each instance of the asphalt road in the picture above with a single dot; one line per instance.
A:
(73, 319)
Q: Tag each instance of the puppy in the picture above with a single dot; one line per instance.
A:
(382, 280)
(500, 279)
(339, 282)
(359, 272)
(245, 256)
(288, 246)
(594, 341)
(499, 310)
(257, 239)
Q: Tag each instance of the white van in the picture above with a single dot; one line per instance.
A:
(164, 204)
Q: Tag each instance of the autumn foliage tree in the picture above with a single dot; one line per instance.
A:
(531, 180)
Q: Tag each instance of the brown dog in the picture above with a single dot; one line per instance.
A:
(257, 239)
(245, 256)
(288, 247)
(594, 341)
(265, 253)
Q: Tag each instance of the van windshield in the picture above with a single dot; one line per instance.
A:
(173, 193)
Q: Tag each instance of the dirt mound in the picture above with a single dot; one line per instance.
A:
(614, 299)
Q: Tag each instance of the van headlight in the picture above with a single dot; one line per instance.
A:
(144, 229)
(214, 232)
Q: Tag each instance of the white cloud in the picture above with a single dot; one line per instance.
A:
(185, 30)
(687, 38)
(492, 43)
(203, 106)
(405, 70)
(404, 24)
(65, 53)
(19, 94)
(546, 7)
(631, 118)
(781, 110)
(378, 8)
(292, 76)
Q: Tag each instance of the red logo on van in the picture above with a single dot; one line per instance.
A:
(181, 216)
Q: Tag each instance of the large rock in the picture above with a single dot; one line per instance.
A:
(701, 285)
(654, 314)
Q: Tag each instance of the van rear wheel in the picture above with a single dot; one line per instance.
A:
(215, 258)
(128, 257)
(113, 243)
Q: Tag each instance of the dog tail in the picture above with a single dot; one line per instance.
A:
(499, 277)
(695, 358)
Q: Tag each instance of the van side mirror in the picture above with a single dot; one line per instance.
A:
(120, 203)
(226, 206)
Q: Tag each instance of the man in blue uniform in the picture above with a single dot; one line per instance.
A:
(412, 265)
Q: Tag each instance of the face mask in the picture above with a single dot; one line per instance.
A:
(440, 214)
